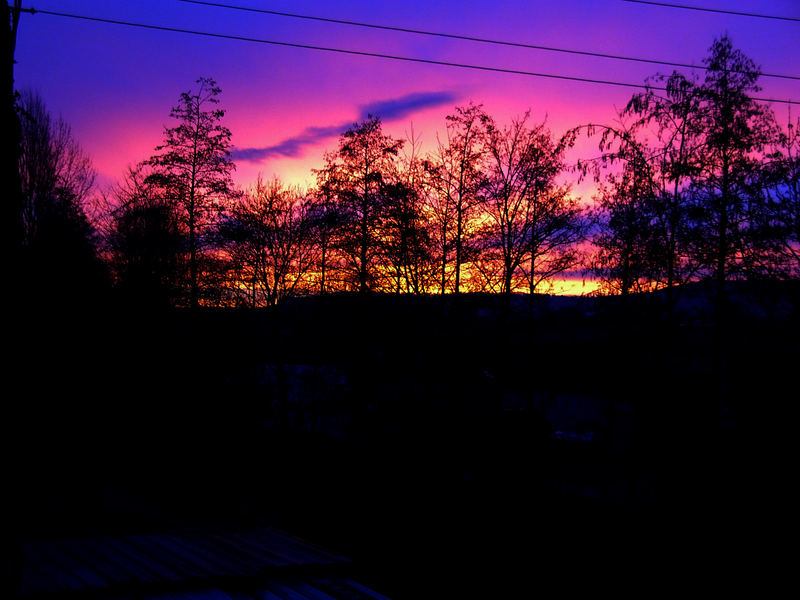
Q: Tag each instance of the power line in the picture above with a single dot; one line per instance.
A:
(715, 10)
(469, 38)
(34, 11)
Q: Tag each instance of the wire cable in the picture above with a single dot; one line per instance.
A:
(715, 10)
(34, 11)
(463, 37)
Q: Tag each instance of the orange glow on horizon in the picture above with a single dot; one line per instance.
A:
(573, 287)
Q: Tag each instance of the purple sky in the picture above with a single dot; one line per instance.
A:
(115, 85)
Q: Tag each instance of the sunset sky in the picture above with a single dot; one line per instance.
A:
(115, 84)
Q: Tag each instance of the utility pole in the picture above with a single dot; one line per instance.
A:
(11, 231)
(10, 188)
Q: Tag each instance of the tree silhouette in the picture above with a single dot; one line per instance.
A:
(145, 241)
(324, 219)
(60, 258)
(440, 219)
(457, 175)
(737, 130)
(269, 239)
(364, 166)
(781, 187)
(194, 166)
(407, 241)
(54, 170)
(623, 214)
(676, 161)
(405, 238)
(533, 224)
(624, 242)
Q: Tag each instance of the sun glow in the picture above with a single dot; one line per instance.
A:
(573, 287)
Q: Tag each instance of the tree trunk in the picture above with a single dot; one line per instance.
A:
(362, 271)
(722, 249)
(458, 252)
(444, 262)
(192, 259)
(322, 275)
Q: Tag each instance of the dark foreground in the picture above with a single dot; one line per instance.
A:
(444, 447)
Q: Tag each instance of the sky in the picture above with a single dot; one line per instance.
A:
(115, 84)
(285, 106)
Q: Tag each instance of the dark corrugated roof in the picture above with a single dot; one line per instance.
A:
(117, 564)
(312, 588)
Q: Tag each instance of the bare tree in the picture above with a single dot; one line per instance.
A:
(406, 239)
(269, 241)
(534, 224)
(324, 219)
(59, 250)
(782, 190)
(737, 129)
(364, 167)
(457, 176)
(623, 236)
(194, 166)
(441, 222)
(622, 214)
(145, 241)
(56, 174)
(676, 162)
